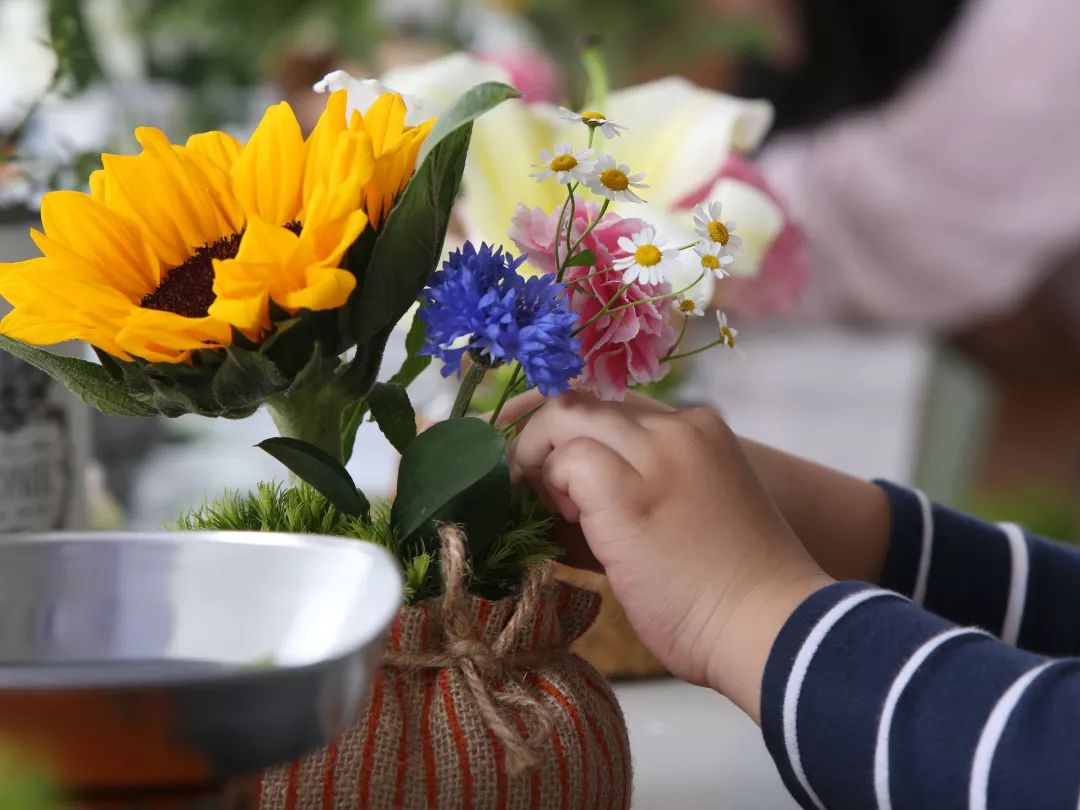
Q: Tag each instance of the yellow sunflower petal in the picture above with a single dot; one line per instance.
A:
(385, 121)
(111, 249)
(165, 337)
(325, 288)
(268, 175)
(323, 141)
(220, 148)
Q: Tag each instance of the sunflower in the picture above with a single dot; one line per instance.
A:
(175, 248)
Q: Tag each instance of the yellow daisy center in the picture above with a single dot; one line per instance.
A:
(592, 117)
(563, 163)
(647, 255)
(718, 232)
(687, 306)
(729, 338)
(615, 179)
(710, 262)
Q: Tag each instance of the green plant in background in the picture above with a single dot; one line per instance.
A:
(24, 786)
(1047, 512)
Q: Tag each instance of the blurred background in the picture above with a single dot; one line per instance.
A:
(930, 150)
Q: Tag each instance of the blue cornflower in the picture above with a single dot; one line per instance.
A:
(479, 303)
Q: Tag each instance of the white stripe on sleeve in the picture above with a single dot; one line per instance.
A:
(926, 550)
(797, 675)
(907, 672)
(1018, 581)
(991, 735)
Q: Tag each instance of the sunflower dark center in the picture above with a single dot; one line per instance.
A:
(188, 289)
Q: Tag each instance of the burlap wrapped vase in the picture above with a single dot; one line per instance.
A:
(479, 705)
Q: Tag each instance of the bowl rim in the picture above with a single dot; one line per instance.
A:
(384, 613)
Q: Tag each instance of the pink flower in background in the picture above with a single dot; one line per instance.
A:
(784, 268)
(530, 70)
(623, 348)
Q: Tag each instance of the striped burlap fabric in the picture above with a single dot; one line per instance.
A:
(478, 705)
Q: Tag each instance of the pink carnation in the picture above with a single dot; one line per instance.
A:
(621, 349)
(784, 268)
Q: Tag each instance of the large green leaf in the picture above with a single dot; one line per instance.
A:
(440, 464)
(473, 103)
(394, 414)
(91, 383)
(410, 243)
(483, 509)
(321, 470)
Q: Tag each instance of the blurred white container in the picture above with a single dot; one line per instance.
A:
(44, 430)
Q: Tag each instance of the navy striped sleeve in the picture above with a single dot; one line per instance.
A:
(1024, 589)
(870, 701)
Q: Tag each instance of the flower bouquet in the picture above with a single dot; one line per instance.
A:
(217, 277)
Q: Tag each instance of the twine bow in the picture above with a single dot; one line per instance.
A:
(491, 673)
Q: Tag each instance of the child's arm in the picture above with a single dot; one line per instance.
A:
(865, 699)
(1023, 589)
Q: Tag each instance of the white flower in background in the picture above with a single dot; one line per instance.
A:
(713, 259)
(693, 289)
(676, 133)
(727, 333)
(363, 92)
(688, 305)
(710, 225)
(566, 165)
(614, 181)
(647, 261)
(593, 120)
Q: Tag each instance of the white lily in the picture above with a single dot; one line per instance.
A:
(677, 134)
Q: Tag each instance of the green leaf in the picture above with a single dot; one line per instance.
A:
(351, 420)
(472, 104)
(440, 464)
(321, 471)
(246, 378)
(415, 363)
(88, 381)
(411, 241)
(394, 414)
(483, 509)
(585, 258)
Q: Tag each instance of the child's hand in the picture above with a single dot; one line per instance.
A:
(703, 563)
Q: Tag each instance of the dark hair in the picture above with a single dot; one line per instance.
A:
(857, 54)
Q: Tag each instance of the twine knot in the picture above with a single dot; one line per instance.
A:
(492, 673)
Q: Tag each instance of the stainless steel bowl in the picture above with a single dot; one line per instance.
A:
(147, 660)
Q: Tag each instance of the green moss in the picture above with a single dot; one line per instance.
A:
(274, 508)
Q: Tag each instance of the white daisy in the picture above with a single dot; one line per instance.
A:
(593, 120)
(710, 226)
(727, 333)
(565, 165)
(713, 258)
(646, 261)
(614, 180)
(688, 304)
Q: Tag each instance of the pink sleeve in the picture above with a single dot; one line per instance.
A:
(952, 200)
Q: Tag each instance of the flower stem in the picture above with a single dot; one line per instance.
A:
(509, 426)
(469, 383)
(682, 334)
(588, 277)
(507, 391)
(312, 415)
(559, 269)
(663, 297)
(689, 245)
(593, 224)
(605, 310)
(718, 342)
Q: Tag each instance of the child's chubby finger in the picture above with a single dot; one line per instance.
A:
(584, 477)
(568, 417)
